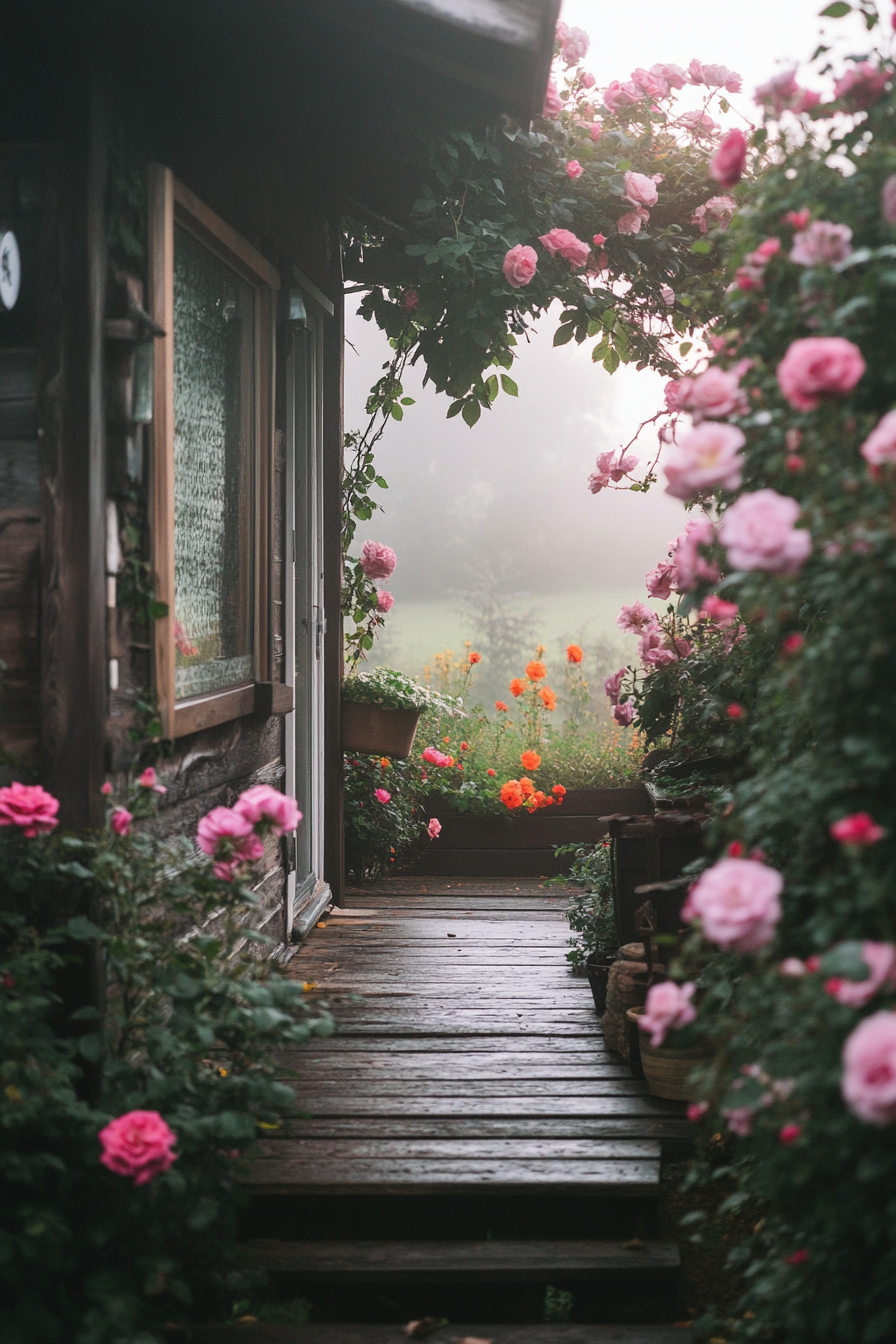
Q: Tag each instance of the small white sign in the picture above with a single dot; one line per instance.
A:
(10, 270)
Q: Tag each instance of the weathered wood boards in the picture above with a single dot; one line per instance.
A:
(497, 1334)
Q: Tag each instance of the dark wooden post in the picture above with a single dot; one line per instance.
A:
(334, 350)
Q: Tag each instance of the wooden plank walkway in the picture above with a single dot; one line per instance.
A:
(468, 1058)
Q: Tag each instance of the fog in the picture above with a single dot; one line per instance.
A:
(504, 508)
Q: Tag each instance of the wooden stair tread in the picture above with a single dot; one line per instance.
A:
(458, 1261)
(500, 1334)
(453, 1175)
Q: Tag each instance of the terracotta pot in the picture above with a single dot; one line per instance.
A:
(667, 1067)
(373, 731)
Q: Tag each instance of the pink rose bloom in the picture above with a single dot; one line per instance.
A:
(674, 76)
(714, 76)
(262, 805)
(868, 1082)
(434, 828)
(880, 958)
(740, 1120)
(718, 610)
(700, 123)
(859, 828)
(640, 189)
(574, 169)
(879, 449)
(377, 561)
(792, 966)
(588, 80)
(668, 1007)
(624, 713)
(672, 393)
(758, 532)
(520, 264)
(730, 159)
(553, 105)
(738, 902)
(120, 821)
(707, 458)
(595, 130)
(662, 580)
(636, 618)
(616, 97)
(561, 32)
(821, 244)
(222, 825)
(148, 779)
(888, 199)
(384, 601)
(436, 757)
(691, 567)
(382, 795)
(817, 367)
(652, 84)
(783, 94)
(615, 468)
(715, 394)
(631, 221)
(654, 650)
(612, 686)
(138, 1144)
(721, 209)
(106, 789)
(597, 481)
(575, 46)
(861, 86)
(560, 242)
(29, 807)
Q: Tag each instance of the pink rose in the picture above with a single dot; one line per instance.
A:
(821, 244)
(653, 648)
(106, 789)
(520, 264)
(631, 221)
(779, 92)
(888, 199)
(595, 130)
(879, 449)
(738, 902)
(674, 76)
(700, 123)
(615, 97)
(721, 209)
(138, 1144)
(817, 367)
(715, 394)
(861, 86)
(588, 80)
(384, 601)
(597, 481)
(728, 163)
(560, 242)
(553, 104)
(574, 170)
(624, 713)
(29, 807)
(716, 609)
(120, 821)
(672, 393)
(650, 83)
(612, 686)
(640, 189)
(608, 464)
(262, 805)
(792, 966)
(668, 1007)
(636, 618)
(707, 458)
(436, 757)
(868, 1082)
(434, 828)
(859, 828)
(227, 836)
(148, 779)
(377, 561)
(691, 567)
(758, 532)
(714, 76)
(662, 580)
(575, 46)
(880, 958)
(382, 795)
(561, 32)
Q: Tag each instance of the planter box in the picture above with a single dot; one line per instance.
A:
(523, 846)
(371, 730)
(651, 851)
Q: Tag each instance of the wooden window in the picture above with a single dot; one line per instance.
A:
(214, 295)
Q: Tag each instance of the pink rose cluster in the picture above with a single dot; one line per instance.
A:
(718, 209)
(758, 531)
(563, 243)
(821, 243)
(818, 367)
(434, 828)
(782, 93)
(861, 86)
(232, 836)
(690, 566)
(699, 124)
(611, 468)
(707, 459)
(750, 274)
(29, 807)
(655, 647)
(623, 712)
(138, 1145)
(667, 1009)
(377, 561)
(714, 76)
(574, 43)
(435, 757)
(737, 901)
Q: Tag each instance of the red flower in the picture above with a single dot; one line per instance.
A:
(501, 707)
(792, 644)
(475, 657)
(735, 711)
(859, 828)
(789, 1134)
(736, 849)
(798, 1257)
(490, 772)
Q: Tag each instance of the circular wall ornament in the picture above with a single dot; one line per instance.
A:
(10, 270)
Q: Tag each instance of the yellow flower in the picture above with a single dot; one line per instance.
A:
(263, 1124)
(222, 1073)
(308, 985)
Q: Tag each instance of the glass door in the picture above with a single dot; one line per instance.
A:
(306, 620)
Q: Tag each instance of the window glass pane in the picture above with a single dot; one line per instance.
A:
(213, 422)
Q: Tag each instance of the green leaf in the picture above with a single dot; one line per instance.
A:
(407, 401)
(396, 412)
(87, 1014)
(563, 335)
(454, 409)
(838, 10)
(157, 610)
(491, 387)
(91, 1047)
(74, 870)
(383, 485)
(611, 361)
(471, 412)
(83, 929)
(509, 385)
(702, 245)
(685, 347)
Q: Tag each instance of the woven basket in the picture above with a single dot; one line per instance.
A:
(667, 1068)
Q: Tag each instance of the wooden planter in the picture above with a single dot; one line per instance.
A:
(651, 850)
(666, 1067)
(373, 731)
(523, 846)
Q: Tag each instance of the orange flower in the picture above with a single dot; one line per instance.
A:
(527, 788)
(540, 799)
(517, 686)
(475, 657)
(535, 670)
(559, 791)
(465, 746)
(511, 794)
(548, 698)
(574, 654)
(384, 763)
(490, 772)
(530, 760)
(446, 739)
(501, 707)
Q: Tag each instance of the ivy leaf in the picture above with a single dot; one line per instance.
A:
(509, 385)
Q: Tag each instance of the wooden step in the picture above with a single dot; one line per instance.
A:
(460, 1261)
(497, 1334)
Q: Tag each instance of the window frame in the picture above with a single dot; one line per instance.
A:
(170, 203)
